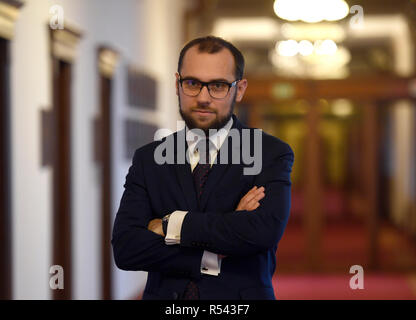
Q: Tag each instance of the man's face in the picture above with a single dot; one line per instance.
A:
(203, 111)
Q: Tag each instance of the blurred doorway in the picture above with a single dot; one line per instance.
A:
(5, 169)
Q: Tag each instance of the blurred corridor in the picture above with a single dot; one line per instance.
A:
(83, 83)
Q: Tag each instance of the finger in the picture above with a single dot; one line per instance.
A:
(260, 196)
(255, 200)
(252, 194)
(249, 196)
(259, 190)
(253, 206)
(255, 196)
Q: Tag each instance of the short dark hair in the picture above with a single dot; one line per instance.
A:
(211, 44)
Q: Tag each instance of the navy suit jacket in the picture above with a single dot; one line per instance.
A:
(249, 239)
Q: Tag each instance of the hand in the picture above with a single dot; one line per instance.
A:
(155, 226)
(251, 200)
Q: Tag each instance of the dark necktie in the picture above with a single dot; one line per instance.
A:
(201, 170)
(200, 175)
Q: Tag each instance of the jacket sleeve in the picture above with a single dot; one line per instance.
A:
(246, 232)
(137, 248)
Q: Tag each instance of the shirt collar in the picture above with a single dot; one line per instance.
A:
(217, 138)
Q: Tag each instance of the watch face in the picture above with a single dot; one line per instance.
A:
(165, 220)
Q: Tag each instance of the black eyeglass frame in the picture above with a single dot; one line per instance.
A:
(205, 84)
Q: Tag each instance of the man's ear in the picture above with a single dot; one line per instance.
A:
(241, 89)
(177, 83)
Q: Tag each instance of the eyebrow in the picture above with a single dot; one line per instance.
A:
(212, 80)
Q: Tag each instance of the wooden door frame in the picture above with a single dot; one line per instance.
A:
(9, 10)
(62, 166)
(107, 60)
(63, 44)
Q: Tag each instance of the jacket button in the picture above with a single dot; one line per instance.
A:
(175, 296)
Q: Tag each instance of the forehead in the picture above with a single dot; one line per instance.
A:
(208, 66)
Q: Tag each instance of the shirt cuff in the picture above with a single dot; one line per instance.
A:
(173, 235)
(210, 264)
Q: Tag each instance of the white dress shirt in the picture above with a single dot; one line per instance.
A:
(211, 263)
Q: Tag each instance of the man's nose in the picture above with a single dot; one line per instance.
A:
(204, 96)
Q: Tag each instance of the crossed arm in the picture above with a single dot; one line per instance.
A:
(249, 202)
(252, 227)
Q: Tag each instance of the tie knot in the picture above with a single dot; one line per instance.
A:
(203, 148)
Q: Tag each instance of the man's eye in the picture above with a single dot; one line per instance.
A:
(192, 83)
(218, 86)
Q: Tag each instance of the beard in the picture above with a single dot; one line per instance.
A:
(217, 123)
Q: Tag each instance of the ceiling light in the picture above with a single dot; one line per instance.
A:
(326, 47)
(311, 11)
(342, 108)
(287, 48)
(290, 48)
(305, 48)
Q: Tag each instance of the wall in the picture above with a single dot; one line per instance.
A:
(31, 203)
(147, 34)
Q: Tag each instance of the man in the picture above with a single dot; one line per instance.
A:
(205, 229)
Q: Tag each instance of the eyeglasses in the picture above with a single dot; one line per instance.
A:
(217, 89)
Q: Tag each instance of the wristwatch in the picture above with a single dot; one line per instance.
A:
(165, 221)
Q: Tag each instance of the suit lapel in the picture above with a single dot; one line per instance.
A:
(184, 175)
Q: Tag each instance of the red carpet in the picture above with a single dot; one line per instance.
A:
(343, 245)
(336, 287)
